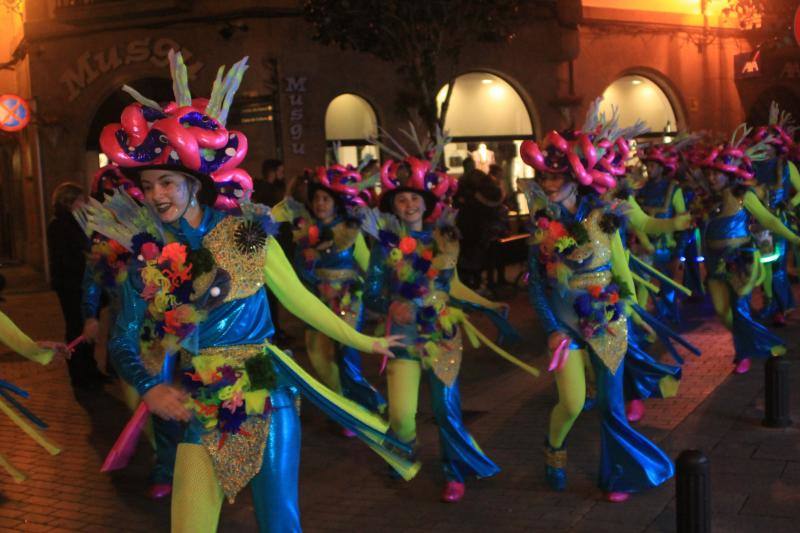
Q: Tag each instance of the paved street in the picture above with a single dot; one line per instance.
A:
(344, 487)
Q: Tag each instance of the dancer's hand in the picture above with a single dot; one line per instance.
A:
(503, 308)
(683, 221)
(59, 348)
(401, 313)
(384, 349)
(558, 347)
(91, 328)
(167, 402)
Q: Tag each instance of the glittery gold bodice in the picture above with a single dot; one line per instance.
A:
(597, 249)
(246, 270)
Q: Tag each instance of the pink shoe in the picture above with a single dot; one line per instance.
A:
(346, 433)
(742, 367)
(634, 410)
(453, 492)
(159, 490)
(617, 497)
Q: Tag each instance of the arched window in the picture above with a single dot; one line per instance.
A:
(349, 122)
(638, 97)
(487, 120)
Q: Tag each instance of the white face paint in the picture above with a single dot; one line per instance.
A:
(168, 192)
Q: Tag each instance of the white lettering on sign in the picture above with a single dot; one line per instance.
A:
(90, 65)
(295, 88)
(751, 67)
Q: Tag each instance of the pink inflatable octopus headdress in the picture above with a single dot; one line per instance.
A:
(736, 157)
(594, 156)
(344, 183)
(188, 135)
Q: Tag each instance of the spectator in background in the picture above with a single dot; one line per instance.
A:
(479, 219)
(496, 173)
(271, 188)
(68, 246)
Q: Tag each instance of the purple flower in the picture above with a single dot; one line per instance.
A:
(231, 422)
(583, 305)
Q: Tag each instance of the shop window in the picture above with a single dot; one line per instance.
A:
(638, 97)
(349, 121)
(487, 121)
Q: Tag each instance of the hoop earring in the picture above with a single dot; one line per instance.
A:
(193, 203)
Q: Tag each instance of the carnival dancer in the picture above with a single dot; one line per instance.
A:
(197, 288)
(330, 257)
(579, 282)
(411, 279)
(41, 352)
(645, 377)
(732, 256)
(662, 197)
(777, 177)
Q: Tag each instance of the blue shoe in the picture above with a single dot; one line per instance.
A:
(555, 467)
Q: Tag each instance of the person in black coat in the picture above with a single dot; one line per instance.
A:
(68, 246)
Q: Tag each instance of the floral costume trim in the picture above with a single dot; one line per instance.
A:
(577, 259)
(230, 396)
(415, 264)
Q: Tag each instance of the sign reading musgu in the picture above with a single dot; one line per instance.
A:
(14, 113)
(91, 64)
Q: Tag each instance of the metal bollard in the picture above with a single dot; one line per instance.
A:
(693, 492)
(776, 393)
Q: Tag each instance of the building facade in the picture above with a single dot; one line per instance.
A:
(298, 97)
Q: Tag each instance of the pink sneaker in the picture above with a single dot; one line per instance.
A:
(346, 433)
(453, 492)
(617, 497)
(634, 410)
(159, 490)
(742, 367)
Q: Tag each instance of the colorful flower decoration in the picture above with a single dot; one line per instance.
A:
(597, 308)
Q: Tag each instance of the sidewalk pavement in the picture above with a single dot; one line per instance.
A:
(344, 487)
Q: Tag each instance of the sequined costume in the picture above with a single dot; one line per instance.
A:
(234, 338)
(663, 198)
(418, 268)
(197, 292)
(629, 462)
(732, 260)
(777, 177)
(18, 342)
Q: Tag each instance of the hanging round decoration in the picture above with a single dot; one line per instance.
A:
(14, 113)
(797, 26)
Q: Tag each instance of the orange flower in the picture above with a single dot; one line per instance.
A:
(408, 245)
(313, 235)
(557, 230)
(427, 255)
(174, 252)
(614, 298)
(594, 290)
(432, 273)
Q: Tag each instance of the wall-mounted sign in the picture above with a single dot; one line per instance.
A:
(14, 113)
(251, 110)
(90, 65)
(747, 65)
(296, 90)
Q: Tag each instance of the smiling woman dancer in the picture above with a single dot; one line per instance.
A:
(197, 289)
